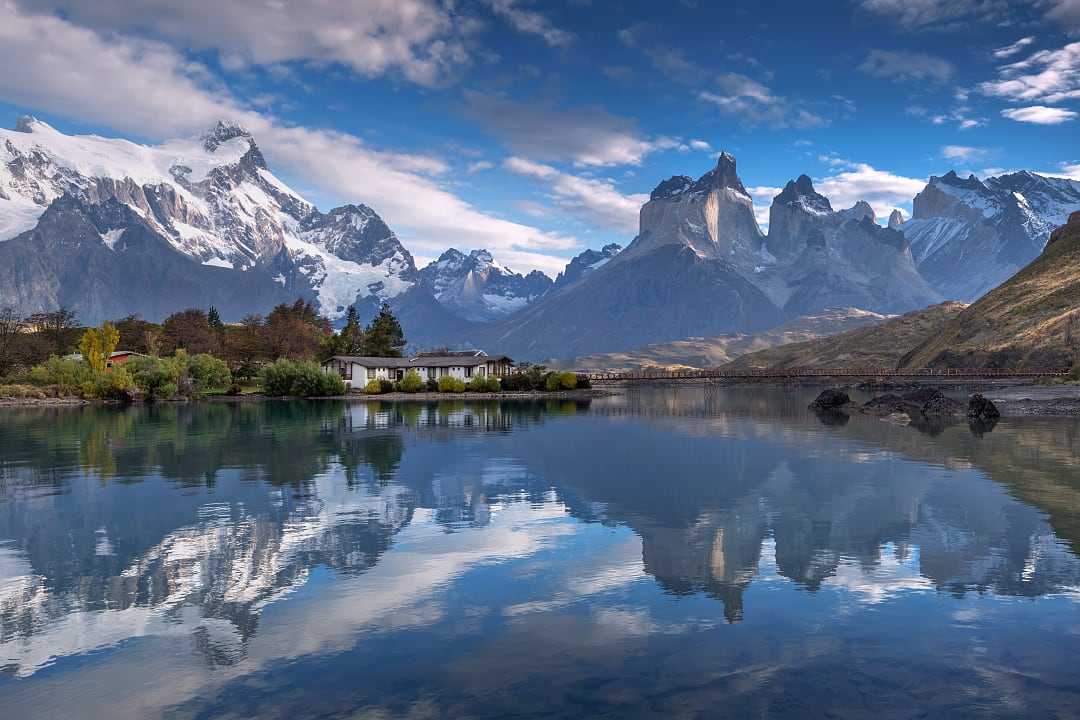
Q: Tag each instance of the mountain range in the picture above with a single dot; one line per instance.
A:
(109, 227)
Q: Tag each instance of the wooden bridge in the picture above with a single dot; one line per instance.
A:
(710, 374)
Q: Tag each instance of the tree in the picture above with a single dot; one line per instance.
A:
(136, 334)
(188, 330)
(213, 319)
(296, 331)
(56, 326)
(97, 344)
(384, 336)
(11, 327)
(350, 341)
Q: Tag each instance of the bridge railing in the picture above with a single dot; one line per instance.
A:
(791, 373)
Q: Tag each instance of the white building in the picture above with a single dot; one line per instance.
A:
(357, 371)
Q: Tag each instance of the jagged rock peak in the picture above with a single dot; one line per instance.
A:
(861, 210)
(896, 219)
(222, 132)
(675, 185)
(801, 192)
(951, 178)
(724, 175)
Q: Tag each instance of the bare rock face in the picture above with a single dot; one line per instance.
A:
(713, 216)
(796, 213)
(896, 219)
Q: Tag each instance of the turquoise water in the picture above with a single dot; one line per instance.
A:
(660, 553)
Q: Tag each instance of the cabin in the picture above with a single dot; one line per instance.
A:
(116, 358)
(357, 371)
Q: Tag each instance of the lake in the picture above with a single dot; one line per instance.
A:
(691, 552)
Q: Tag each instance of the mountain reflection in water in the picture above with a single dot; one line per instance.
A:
(655, 552)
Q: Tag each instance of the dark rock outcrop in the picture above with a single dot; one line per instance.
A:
(830, 399)
(982, 409)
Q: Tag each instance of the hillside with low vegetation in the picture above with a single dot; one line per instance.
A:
(707, 352)
(878, 346)
(1031, 321)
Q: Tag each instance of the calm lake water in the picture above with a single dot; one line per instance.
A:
(675, 553)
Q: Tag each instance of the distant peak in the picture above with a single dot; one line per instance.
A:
(800, 191)
(222, 132)
(896, 219)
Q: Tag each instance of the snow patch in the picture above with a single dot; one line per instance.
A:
(111, 237)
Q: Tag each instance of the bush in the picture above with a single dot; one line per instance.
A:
(483, 384)
(373, 387)
(583, 382)
(556, 381)
(432, 385)
(300, 379)
(517, 382)
(448, 384)
(386, 385)
(208, 373)
(156, 377)
(70, 376)
(115, 384)
(412, 382)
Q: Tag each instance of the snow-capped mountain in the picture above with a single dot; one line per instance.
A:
(156, 222)
(584, 263)
(969, 235)
(478, 288)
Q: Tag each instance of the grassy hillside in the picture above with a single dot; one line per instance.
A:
(883, 345)
(1031, 320)
(706, 352)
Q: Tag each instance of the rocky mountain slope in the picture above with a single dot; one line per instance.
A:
(478, 288)
(706, 352)
(879, 345)
(584, 263)
(1031, 320)
(970, 235)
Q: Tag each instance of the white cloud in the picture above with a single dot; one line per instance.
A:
(1067, 170)
(754, 103)
(964, 153)
(763, 196)
(479, 166)
(1009, 50)
(596, 201)
(700, 145)
(860, 181)
(421, 39)
(587, 136)
(907, 66)
(530, 21)
(149, 90)
(1048, 76)
(1039, 115)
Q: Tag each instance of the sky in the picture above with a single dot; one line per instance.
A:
(537, 129)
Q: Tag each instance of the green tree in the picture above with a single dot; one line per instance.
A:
(350, 341)
(384, 336)
(213, 319)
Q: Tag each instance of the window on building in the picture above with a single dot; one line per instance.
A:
(468, 372)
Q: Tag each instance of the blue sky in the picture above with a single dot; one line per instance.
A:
(536, 129)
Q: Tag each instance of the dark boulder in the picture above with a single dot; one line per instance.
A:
(982, 409)
(830, 399)
(942, 406)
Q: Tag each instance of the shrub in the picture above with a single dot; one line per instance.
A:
(69, 375)
(208, 373)
(556, 381)
(583, 382)
(115, 384)
(373, 387)
(448, 384)
(300, 378)
(492, 384)
(386, 385)
(517, 382)
(432, 385)
(476, 384)
(156, 377)
(412, 382)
